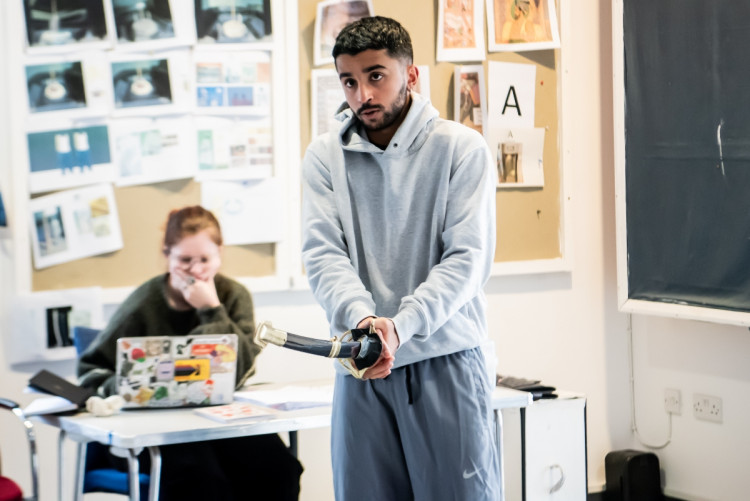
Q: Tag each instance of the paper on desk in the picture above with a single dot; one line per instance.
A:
(289, 397)
(49, 405)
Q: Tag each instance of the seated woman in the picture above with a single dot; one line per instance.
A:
(192, 298)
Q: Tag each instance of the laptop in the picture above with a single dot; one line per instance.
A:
(176, 371)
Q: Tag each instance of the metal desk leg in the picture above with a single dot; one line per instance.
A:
(293, 442)
(134, 487)
(500, 458)
(80, 466)
(155, 474)
(60, 453)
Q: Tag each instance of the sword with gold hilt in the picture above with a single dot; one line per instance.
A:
(356, 349)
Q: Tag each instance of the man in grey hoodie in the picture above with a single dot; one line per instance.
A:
(399, 234)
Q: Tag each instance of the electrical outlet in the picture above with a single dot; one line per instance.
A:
(708, 408)
(673, 401)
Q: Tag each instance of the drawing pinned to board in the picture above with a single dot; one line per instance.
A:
(73, 224)
(332, 16)
(56, 25)
(150, 150)
(233, 21)
(520, 25)
(69, 156)
(469, 101)
(327, 97)
(512, 92)
(460, 30)
(519, 156)
(230, 149)
(233, 83)
(238, 205)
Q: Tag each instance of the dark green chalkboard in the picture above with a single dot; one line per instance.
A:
(687, 151)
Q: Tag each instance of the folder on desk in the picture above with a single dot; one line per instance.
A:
(47, 382)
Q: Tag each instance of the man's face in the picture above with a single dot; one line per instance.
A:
(376, 87)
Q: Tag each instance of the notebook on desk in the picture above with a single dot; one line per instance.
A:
(176, 371)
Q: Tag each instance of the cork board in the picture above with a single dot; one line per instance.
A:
(529, 220)
(143, 213)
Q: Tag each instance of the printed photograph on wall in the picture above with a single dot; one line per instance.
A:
(54, 25)
(229, 149)
(519, 156)
(460, 34)
(143, 20)
(469, 100)
(233, 21)
(73, 224)
(66, 157)
(332, 16)
(55, 86)
(148, 150)
(519, 25)
(237, 204)
(141, 83)
(232, 83)
(43, 323)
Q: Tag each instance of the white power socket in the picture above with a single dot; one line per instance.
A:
(708, 408)
(673, 401)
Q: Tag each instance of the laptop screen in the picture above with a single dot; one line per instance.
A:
(176, 371)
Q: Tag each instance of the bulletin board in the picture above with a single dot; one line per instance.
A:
(529, 221)
(143, 209)
(681, 155)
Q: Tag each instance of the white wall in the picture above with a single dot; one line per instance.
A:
(563, 328)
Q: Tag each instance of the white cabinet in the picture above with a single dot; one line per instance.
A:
(545, 450)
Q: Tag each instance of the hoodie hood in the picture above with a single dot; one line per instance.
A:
(411, 134)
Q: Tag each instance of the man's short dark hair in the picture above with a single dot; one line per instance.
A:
(374, 33)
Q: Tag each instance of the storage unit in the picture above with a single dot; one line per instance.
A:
(545, 450)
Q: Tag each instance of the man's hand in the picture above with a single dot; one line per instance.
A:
(386, 330)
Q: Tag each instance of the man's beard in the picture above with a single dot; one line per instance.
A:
(389, 116)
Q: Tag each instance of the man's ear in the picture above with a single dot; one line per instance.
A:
(412, 75)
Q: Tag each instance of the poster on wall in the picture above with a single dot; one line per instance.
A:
(233, 82)
(153, 25)
(67, 86)
(233, 149)
(520, 25)
(73, 224)
(327, 97)
(64, 25)
(519, 156)
(150, 85)
(423, 81)
(512, 92)
(43, 323)
(233, 21)
(332, 16)
(470, 107)
(148, 150)
(250, 212)
(70, 155)
(460, 30)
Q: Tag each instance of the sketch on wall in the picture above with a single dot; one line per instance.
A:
(521, 25)
(460, 34)
(332, 16)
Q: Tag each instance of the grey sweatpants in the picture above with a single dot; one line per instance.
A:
(424, 433)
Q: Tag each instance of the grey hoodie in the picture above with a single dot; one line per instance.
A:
(407, 232)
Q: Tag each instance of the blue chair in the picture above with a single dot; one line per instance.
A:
(98, 475)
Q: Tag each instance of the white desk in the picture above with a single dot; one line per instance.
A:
(131, 430)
